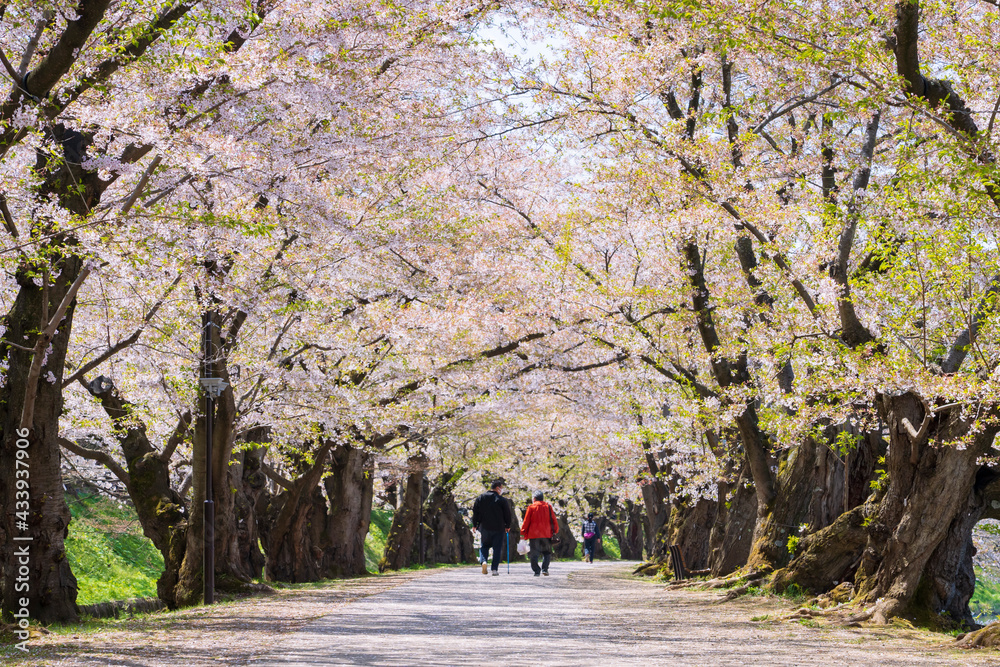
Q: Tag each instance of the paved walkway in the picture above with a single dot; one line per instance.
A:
(583, 615)
(454, 617)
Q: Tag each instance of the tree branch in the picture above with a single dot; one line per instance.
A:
(126, 342)
(41, 345)
(275, 476)
(177, 437)
(97, 455)
(960, 348)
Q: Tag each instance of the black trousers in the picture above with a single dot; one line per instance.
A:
(494, 539)
(540, 546)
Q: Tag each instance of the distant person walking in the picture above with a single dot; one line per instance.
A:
(590, 537)
(538, 527)
(491, 516)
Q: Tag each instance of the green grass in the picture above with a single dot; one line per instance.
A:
(378, 531)
(985, 602)
(111, 558)
(611, 548)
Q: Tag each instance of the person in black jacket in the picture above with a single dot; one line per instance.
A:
(491, 516)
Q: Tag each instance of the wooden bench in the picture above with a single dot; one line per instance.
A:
(677, 562)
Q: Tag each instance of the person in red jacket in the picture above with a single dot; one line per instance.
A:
(539, 526)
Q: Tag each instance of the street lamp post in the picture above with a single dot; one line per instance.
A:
(213, 387)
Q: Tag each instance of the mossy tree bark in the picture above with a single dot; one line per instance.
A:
(828, 556)
(809, 495)
(349, 490)
(926, 509)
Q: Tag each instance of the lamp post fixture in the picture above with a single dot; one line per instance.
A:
(213, 388)
(100, 385)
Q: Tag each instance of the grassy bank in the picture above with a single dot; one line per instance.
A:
(111, 558)
(985, 602)
(378, 531)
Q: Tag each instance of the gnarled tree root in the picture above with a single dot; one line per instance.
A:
(988, 637)
(748, 580)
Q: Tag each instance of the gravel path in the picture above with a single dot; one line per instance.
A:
(587, 614)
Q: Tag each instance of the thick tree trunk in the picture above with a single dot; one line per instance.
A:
(292, 543)
(252, 487)
(926, 505)
(236, 557)
(690, 527)
(51, 588)
(234, 560)
(406, 520)
(189, 588)
(733, 530)
(449, 538)
(566, 548)
(654, 497)
(296, 533)
(809, 495)
(349, 489)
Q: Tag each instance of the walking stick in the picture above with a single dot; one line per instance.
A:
(508, 552)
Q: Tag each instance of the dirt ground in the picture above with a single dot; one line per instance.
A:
(699, 628)
(580, 615)
(231, 633)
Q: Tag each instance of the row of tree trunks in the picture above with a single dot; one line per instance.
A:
(428, 527)
(447, 537)
(627, 528)
(308, 536)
